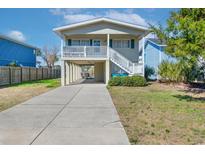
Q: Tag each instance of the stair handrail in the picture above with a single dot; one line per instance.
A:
(120, 59)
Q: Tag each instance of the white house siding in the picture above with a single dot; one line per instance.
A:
(102, 28)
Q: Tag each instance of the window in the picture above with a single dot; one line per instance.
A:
(116, 43)
(125, 43)
(75, 43)
(80, 43)
(121, 43)
(85, 43)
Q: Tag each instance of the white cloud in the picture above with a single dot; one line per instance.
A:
(17, 35)
(127, 16)
(59, 11)
(76, 15)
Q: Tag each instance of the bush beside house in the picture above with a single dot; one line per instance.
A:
(149, 71)
(170, 72)
(131, 81)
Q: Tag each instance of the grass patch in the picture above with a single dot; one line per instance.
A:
(50, 83)
(159, 114)
(17, 93)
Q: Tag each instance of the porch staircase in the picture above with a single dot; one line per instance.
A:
(125, 64)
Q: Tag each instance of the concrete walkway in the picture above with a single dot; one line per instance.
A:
(76, 114)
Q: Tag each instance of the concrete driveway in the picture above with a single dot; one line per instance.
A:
(76, 114)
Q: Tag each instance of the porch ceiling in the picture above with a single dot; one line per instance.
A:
(86, 62)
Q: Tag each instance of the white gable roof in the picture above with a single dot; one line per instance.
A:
(83, 23)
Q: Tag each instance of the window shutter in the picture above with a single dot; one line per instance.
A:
(91, 42)
(132, 43)
(69, 42)
(111, 43)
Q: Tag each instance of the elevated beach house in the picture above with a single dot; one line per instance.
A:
(111, 46)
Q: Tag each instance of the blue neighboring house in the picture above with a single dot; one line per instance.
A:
(15, 51)
(154, 54)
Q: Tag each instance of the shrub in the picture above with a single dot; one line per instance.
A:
(138, 81)
(127, 81)
(149, 71)
(170, 72)
(115, 81)
(131, 81)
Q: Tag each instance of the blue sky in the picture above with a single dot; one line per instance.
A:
(34, 26)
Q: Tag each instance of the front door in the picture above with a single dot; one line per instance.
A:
(96, 44)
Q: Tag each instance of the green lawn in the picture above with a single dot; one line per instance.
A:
(49, 83)
(160, 114)
(15, 94)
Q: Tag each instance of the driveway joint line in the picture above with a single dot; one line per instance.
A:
(56, 116)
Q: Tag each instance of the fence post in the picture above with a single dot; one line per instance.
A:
(10, 75)
(36, 73)
(21, 72)
(42, 72)
(47, 73)
(29, 70)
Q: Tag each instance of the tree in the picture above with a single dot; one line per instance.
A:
(50, 55)
(159, 31)
(185, 38)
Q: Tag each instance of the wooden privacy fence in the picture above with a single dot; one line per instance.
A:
(12, 75)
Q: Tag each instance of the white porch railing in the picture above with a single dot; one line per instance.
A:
(85, 51)
(138, 68)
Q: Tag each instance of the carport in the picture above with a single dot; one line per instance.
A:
(73, 70)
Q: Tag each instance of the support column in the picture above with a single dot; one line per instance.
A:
(78, 77)
(62, 73)
(62, 65)
(107, 71)
(71, 72)
(80, 72)
(62, 44)
(108, 45)
(76, 71)
(67, 75)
